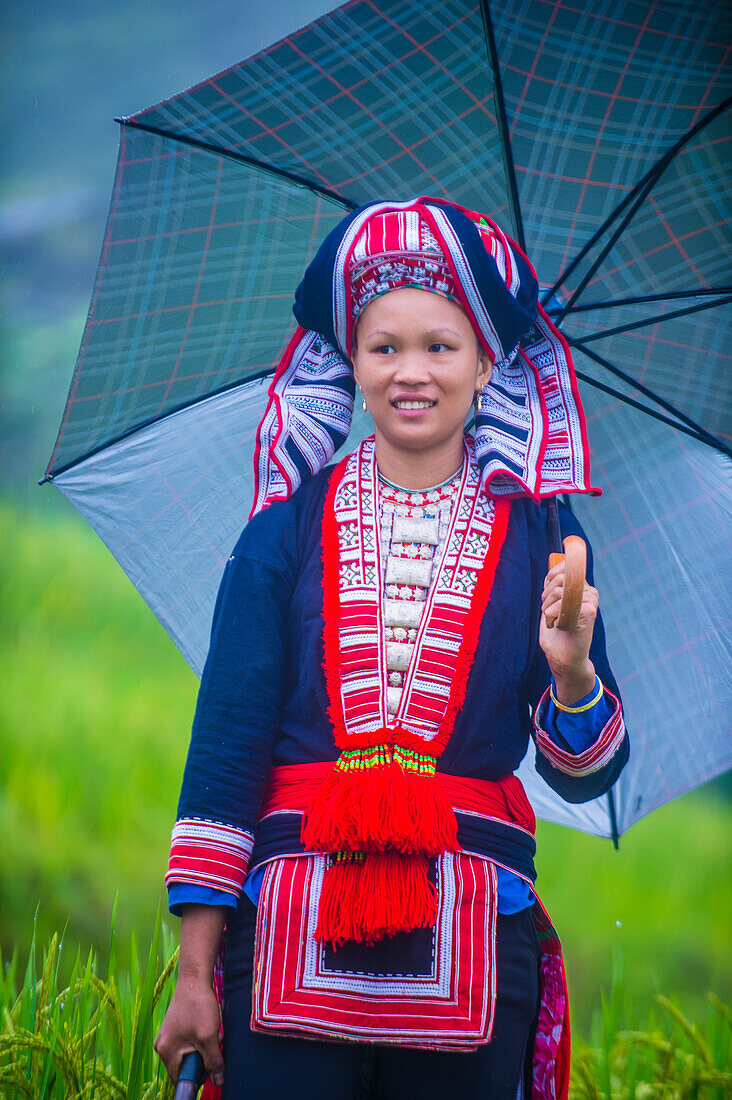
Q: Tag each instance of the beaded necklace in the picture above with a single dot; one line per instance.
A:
(413, 527)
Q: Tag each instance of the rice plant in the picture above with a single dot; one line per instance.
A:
(90, 1039)
(672, 1058)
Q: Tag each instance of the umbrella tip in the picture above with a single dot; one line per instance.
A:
(45, 478)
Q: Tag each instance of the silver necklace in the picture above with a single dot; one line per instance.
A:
(430, 489)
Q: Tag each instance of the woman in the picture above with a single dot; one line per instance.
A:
(380, 642)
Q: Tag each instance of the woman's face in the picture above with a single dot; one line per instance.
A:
(419, 364)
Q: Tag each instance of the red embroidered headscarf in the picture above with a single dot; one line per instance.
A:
(530, 436)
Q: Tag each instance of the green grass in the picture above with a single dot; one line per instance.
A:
(95, 715)
(663, 902)
(94, 720)
(92, 1037)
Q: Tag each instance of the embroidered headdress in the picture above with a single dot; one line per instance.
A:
(530, 436)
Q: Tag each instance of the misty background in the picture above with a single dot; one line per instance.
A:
(68, 69)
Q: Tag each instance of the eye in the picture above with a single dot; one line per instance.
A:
(439, 347)
(383, 349)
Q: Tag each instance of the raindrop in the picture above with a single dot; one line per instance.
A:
(618, 924)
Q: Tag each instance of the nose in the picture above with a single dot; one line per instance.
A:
(412, 369)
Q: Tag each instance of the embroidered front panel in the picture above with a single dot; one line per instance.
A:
(370, 602)
(443, 998)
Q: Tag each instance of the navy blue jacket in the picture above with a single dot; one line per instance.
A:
(263, 702)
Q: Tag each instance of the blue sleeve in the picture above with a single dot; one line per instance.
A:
(576, 732)
(514, 894)
(243, 681)
(183, 893)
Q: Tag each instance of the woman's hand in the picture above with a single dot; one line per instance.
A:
(568, 651)
(191, 1023)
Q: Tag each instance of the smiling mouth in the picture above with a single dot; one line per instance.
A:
(413, 404)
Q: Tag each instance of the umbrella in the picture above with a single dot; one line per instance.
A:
(596, 134)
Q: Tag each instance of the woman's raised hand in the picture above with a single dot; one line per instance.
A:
(568, 651)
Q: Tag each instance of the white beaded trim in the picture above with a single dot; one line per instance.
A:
(413, 527)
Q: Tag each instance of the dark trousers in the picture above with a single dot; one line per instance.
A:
(266, 1067)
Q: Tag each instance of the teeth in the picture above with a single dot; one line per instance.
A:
(414, 404)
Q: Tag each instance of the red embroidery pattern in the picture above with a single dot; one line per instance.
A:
(380, 808)
(596, 755)
(447, 636)
(298, 989)
(209, 853)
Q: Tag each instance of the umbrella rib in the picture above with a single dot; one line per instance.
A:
(645, 321)
(635, 197)
(221, 151)
(641, 197)
(645, 390)
(503, 132)
(139, 427)
(696, 431)
(642, 299)
(614, 834)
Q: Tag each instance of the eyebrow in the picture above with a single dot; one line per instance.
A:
(432, 332)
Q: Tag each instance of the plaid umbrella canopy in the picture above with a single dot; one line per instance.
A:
(596, 135)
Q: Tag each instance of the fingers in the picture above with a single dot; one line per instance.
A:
(551, 597)
(172, 1056)
(212, 1060)
(171, 1053)
(555, 571)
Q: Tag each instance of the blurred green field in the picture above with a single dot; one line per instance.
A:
(95, 715)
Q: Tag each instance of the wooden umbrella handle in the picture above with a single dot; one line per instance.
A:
(575, 570)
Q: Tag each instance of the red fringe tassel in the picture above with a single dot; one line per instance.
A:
(379, 808)
(386, 893)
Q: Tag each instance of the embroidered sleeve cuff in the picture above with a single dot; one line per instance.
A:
(208, 853)
(182, 893)
(596, 755)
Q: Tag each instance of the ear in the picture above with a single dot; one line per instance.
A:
(354, 359)
(485, 369)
